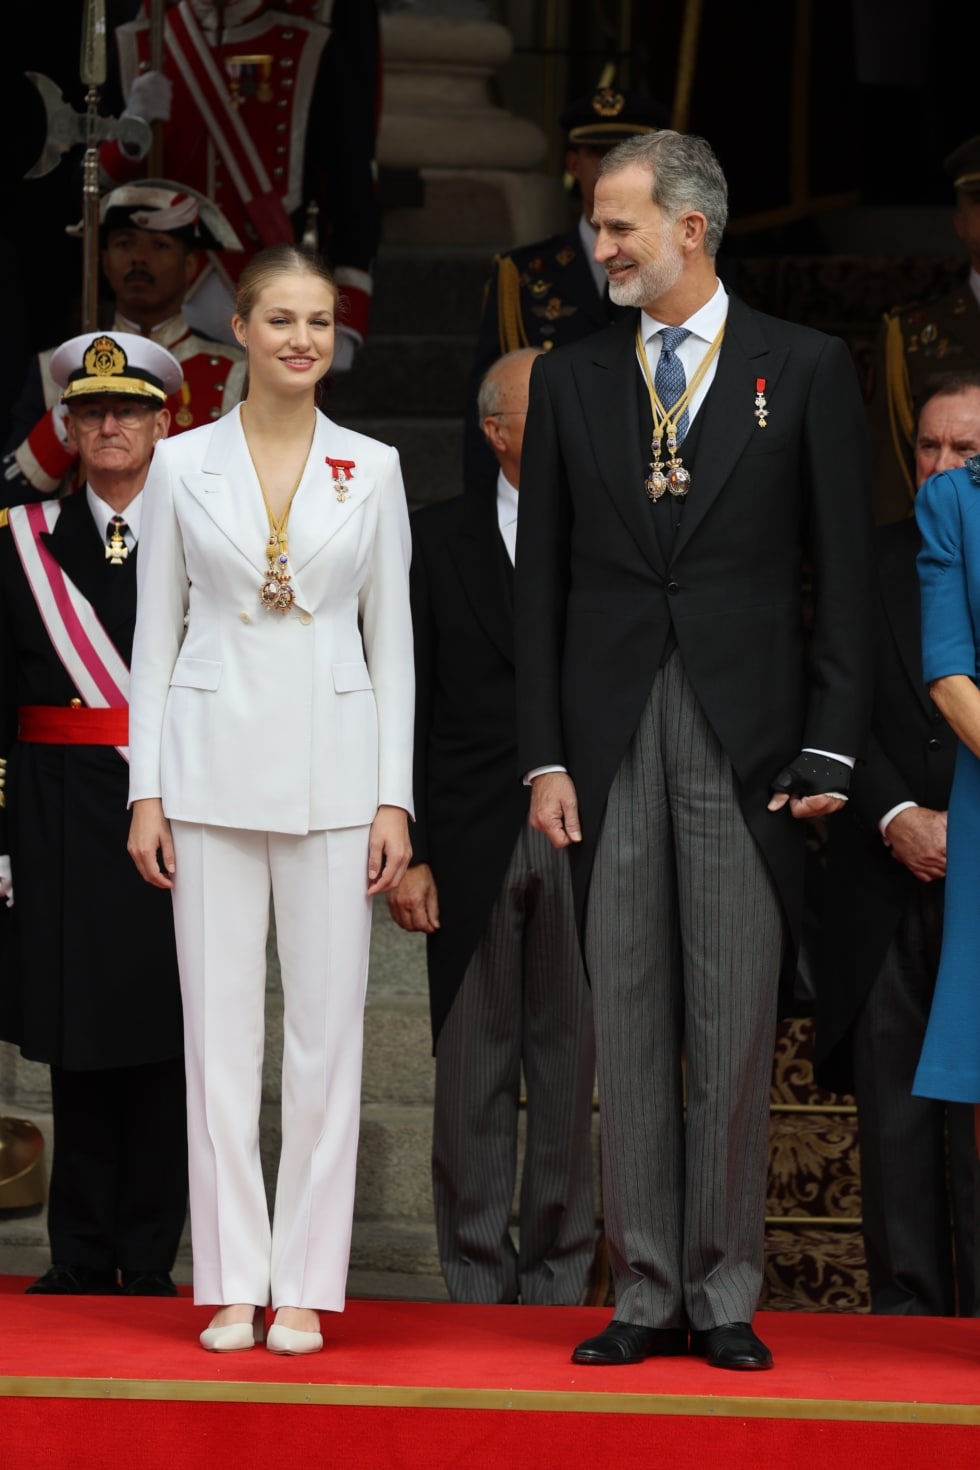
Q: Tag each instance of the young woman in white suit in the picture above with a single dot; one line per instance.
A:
(271, 750)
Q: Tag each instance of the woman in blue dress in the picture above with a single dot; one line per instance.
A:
(947, 508)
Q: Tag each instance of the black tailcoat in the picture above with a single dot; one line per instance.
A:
(596, 598)
(470, 802)
(911, 753)
(89, 975)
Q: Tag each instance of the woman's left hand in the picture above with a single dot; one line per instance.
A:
(389, 851)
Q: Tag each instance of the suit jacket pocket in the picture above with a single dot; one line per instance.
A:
(196, 673)
(349, 677)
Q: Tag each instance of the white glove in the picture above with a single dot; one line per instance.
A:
(150, 97)
(59, 422)
(345, 345)
(6, 881)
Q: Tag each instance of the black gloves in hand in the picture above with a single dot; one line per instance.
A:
(814, 775)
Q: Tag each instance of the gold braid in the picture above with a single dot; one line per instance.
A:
(510, 322)
(898, 391)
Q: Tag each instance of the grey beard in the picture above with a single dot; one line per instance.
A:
(648, 283)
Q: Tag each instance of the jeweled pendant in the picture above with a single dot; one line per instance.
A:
(656, 482)
(678, 481)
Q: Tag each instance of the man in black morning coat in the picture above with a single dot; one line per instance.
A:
(89, 969)
(879, 945)
(674, 720)
(506, 984)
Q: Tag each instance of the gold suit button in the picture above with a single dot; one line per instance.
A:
(306, 619)
(75, 704)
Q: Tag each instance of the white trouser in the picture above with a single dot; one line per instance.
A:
(323, 926)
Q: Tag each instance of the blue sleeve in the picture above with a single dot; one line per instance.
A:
(948, 635)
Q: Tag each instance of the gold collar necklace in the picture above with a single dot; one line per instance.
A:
(672, 476)
(276, 592)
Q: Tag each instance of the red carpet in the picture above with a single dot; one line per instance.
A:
(107, 1382)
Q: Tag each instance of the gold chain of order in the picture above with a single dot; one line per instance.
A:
(671, 420)
(672, 476)
(275, 591)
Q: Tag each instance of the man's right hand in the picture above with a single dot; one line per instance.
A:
(917, 838)
(554, 808)
(414, 904)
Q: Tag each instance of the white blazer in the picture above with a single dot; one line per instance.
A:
(244, 717)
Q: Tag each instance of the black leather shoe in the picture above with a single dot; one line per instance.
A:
(147, 1283)
(622, 1342)
(733, 1345)
(74, 1280)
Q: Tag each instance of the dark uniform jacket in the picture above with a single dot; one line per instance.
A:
(470, 802)
(89, 968)
(914, 346)
(911, 754)
(541, 295)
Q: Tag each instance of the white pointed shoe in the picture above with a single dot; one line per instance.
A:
(235, 1337)
(291, 1340)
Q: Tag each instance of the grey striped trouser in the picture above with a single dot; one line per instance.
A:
(523, 1001)
(684, 942)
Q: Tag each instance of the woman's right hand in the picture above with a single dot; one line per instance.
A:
(151, 844)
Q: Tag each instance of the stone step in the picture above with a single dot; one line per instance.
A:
(403, 377)
(397, 1247)
(418, 291)
(398, 1062)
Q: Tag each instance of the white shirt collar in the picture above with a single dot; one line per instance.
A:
(102, 514)
(704, 323)
(974, 280)
(506, 500)
(507, 514)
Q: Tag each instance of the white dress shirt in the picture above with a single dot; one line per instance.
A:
(102, 514)
(704, 327)
(507, 513)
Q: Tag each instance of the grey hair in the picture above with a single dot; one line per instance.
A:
(685, 174)
(490, 393)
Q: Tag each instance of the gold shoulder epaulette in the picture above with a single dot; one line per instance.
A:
(510, 322)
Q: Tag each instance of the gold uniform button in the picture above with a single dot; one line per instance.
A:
(245, 617)
(75, 704)
(306, 619)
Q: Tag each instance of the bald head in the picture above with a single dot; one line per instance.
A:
(502, 407)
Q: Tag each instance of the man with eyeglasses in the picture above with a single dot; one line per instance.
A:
(88, 970)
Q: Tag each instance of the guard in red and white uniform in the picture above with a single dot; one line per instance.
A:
(153, 239)
(267, 113)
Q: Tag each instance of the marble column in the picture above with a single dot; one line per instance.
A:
(477, 162)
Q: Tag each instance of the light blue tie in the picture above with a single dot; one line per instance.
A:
(671, 380)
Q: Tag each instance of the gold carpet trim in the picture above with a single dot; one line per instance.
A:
(384, 1396)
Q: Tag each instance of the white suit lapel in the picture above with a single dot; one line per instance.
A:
(318, 512)
(227, 490)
